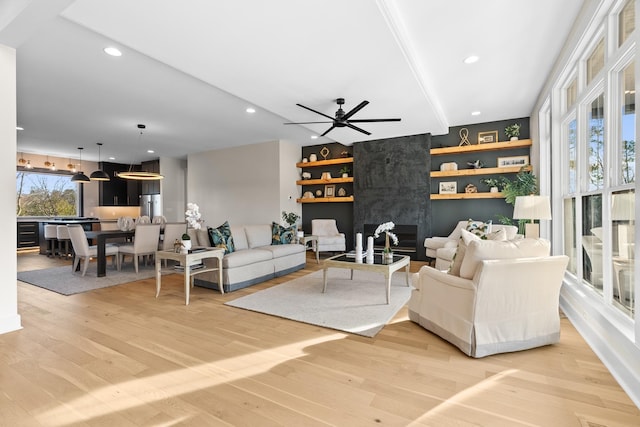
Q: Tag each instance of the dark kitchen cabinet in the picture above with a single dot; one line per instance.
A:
(118, 191)
(150, 187)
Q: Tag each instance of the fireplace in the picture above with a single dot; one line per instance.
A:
(407, 239)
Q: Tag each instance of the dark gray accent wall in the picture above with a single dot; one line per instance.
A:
(392, 184)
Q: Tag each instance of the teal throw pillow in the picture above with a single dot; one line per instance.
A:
(479, 228)
(282, 235)
(221, 237)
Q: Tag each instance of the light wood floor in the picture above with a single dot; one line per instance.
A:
(120, 357)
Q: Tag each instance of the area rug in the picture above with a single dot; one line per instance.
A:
(66, 282)
(356, 306)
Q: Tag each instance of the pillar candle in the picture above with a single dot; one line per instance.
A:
(359, 240)
(370, 245)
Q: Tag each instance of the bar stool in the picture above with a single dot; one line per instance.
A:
(62, 234)
(51, 236)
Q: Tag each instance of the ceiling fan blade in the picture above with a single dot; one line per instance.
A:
(317, 112)
(355, 110)
(304, 123)
(357, 128)
(328, 130)
(373, 120)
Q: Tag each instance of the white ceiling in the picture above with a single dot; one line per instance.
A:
(190, 69)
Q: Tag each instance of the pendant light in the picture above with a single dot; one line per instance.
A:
(80, 177)
(99, 175)
(140, 175)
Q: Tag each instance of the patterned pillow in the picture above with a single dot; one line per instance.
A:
(282, 235)
(479, 228)
(221, 237)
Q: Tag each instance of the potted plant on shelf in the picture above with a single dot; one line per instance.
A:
(345, 171)
(513, 131)
(495, 184)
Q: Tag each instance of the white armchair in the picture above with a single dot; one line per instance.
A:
(505, 299)
(329, 238)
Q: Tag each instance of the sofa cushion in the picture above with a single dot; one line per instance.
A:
(467, 237)
(239, 237)
(282, 235)
(221, 237)
(245, 257)
(480, 250)
(258, 235)
(278, 251)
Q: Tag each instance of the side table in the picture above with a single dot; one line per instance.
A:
(187, 259)
(314, 241)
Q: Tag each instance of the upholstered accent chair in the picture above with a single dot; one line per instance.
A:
(145, 243)
(329, 238)
(505, 297)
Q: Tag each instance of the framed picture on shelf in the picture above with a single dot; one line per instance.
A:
(486, 137)
(506, 162)
(448, 187)
(329, 190)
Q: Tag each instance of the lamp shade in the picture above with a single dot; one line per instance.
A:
(99, 175)
(80, 177)
(532, 207)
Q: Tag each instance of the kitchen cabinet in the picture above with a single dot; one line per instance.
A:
(118, 191)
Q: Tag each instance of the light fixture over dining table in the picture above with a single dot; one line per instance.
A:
(140, 175)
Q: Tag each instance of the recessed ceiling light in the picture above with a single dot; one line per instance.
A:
(112, 158)
(112, 51)
(314, 136)
(475, 113)
(250, 110)
(150, 151)
(19, 128)
(471, 59)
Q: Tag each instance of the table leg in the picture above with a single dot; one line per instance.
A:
(102, 258)
(388, 277)
(220, 284)
(324, 278)
(315, 249)
(187, 280)
(407, 270)
(158, 276)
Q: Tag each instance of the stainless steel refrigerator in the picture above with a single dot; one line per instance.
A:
(150, 205)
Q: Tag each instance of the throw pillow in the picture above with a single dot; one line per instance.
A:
(221, 237)
(282, 235)
(467, 237)
(478, 228)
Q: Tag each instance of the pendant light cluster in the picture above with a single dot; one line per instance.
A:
(99, 175)
(140, 175)
(80, 177)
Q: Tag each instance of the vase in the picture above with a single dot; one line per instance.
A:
(493, 190)
(186, 245)
(386, 253)
(514, 138)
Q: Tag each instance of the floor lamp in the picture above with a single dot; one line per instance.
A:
(531, 208)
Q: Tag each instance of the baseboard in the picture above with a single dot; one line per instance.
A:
(607, 339)
(10, 324)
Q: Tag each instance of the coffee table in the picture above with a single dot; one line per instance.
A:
(380, 265)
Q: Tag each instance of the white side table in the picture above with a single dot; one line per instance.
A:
(187, 259)
(314, 241)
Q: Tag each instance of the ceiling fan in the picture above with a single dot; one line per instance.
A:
(343, 119)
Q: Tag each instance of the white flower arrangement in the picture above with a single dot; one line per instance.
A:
(386, 228)
(192, 215)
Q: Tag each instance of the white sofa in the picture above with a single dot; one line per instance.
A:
(442, 249)
(254, 260)
(505, 299)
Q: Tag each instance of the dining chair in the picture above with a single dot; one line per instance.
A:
(82, 250)
(145, 243)
(51, 236)
(62, 234)
(172, 231)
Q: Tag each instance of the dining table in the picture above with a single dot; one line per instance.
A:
(101, 237)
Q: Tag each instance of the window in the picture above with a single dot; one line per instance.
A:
(570, 234)
(595, 147)
(573, 156)
(595, 62)
(571, 93)
(626, 21)
(626, 149)
(592, 241)
(623, 247)
(45, 194)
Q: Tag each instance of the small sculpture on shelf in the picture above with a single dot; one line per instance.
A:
(476, 164)
(470, 188)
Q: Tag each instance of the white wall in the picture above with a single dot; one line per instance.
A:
(173, 188)
(290, 154)
(9, 317)
(244, 185)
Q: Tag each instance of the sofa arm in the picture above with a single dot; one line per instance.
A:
(429, 275)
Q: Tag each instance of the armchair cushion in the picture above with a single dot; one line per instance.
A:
(221, 237)
(466, 238)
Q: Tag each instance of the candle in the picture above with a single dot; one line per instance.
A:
(370, 245)
(359, 240)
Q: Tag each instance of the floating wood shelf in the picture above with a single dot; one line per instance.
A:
(325, 199)
(506, 145)
(458, 196)
(329, 162)
(481, 171)
(324, 181)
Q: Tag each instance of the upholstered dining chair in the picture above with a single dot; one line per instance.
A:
(82, 250)
(145, 243)
(329, 238)
(62, 234)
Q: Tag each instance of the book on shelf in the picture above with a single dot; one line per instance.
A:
(195, 266)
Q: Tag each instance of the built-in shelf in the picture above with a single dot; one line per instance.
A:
(339, 161)
(457, 196)
(324, 181)
(325, 199)
(506, 145)
(481, 171)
